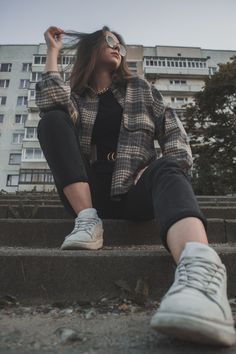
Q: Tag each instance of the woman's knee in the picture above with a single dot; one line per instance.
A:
(52, 120)
(165, 163)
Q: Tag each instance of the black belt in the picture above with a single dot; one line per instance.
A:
(109, 156)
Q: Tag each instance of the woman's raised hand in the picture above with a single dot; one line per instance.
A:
(53, 38)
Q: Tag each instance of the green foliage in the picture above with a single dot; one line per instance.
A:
(210, 123)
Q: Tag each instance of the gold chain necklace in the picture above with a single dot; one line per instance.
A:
(100, 91)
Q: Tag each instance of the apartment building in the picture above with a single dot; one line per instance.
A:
(178, 72)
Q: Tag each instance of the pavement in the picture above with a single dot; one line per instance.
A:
(110, 327)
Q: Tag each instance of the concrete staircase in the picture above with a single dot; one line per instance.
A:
(34, 270)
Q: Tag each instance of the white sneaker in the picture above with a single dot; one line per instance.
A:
(196, 307)
(87, 233)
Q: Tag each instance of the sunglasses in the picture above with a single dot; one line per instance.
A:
(112, 44)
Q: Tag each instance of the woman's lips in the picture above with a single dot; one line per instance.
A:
(117, 55)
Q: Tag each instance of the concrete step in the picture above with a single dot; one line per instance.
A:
(50, 275)
(59, 212)
(14, 203)
(44, 195)
(49, 233)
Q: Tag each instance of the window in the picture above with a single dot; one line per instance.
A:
(3, 100)
(5, 67)
(25, 177)
(17, 138)
(32, 94)
(4, 83)
(212, 70)
(181, 99)
(178, 82)
(40, 59)
(15, 159)
(147, 62)
(1, 118)
(33, 154)
(12, 180)
(66, 60)
(26, 67)
(36, 76)
(48, 178)
(31, 133)
(66, 75)
(20, 118)
(36, 176)
(24, 84)
(22, 101)
(132, 64)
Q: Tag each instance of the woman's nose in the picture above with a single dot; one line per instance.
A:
(117, 46)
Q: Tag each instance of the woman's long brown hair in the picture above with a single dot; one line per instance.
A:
(88, 47)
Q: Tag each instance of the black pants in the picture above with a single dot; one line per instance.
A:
(163, 192)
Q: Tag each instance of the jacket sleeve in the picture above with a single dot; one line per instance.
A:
(52, 92)
(170, 133)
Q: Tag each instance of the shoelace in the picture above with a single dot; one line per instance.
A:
(201, 274)
(84, 224)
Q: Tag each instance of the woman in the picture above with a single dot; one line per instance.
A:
(97, 134)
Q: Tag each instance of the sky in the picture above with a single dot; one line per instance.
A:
(209, 24)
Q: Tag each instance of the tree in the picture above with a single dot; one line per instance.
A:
(211, 124)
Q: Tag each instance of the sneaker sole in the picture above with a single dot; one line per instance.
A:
(76, 245)
(194, 329)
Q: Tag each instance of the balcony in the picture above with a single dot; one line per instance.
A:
(165, 71)
(32, 106)
(177, 105)
(179, 88)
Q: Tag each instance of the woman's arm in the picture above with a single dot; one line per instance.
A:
(170, 133)
(51, 91)
(54, 43)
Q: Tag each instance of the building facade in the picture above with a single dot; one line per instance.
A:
(178, 72)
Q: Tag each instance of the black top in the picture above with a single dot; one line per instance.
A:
(107, 124)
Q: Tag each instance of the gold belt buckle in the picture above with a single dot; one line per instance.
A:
(111, 156)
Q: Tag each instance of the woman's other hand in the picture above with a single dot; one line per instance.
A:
(139, 175)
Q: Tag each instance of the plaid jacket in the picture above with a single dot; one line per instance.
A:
(144, 120)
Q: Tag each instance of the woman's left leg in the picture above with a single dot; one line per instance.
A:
(165, 193)
(196, 306)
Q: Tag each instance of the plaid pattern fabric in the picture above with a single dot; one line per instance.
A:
(145, 119)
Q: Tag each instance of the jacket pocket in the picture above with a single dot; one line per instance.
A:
(139, 122)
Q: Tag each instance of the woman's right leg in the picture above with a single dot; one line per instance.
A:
(60, 144)
(59, 141)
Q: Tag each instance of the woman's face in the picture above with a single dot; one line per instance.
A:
(110, 56)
